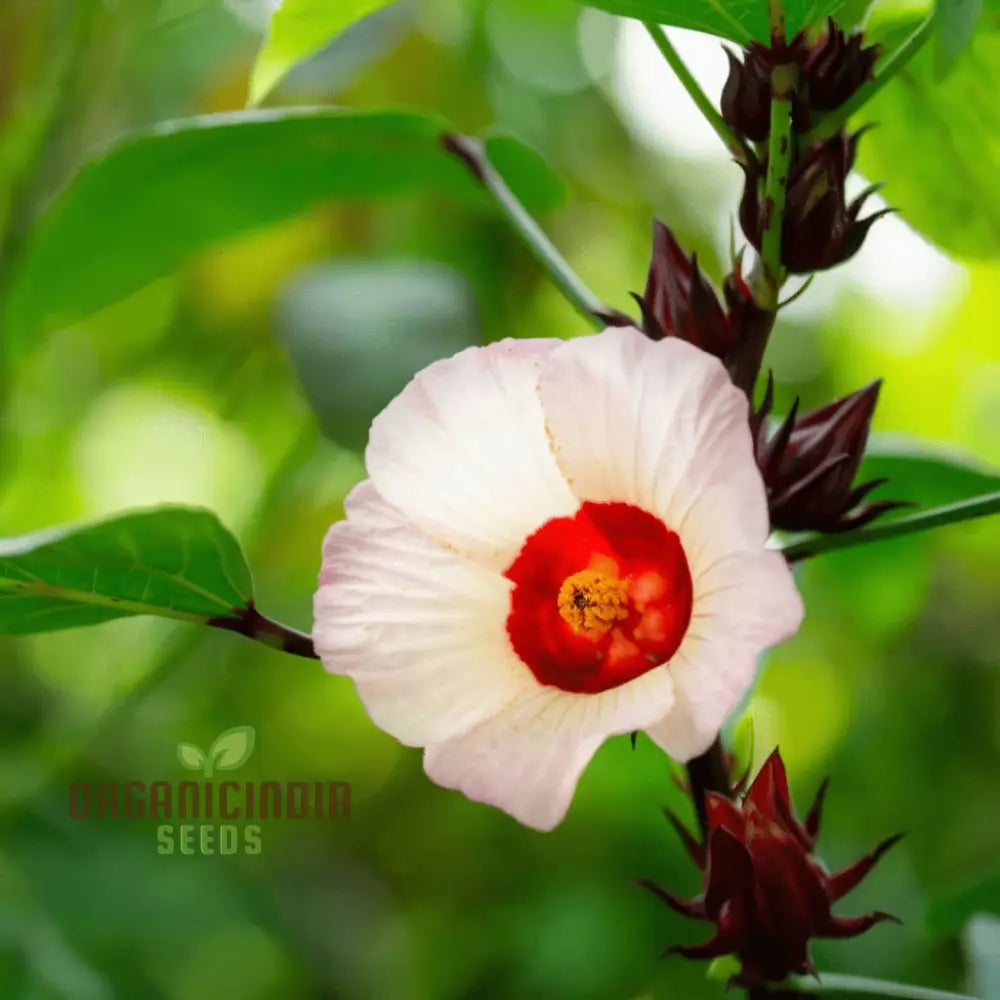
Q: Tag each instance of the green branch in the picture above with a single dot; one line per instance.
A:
(837, 983)
(964, 510)
(473, 154)
(836, 120)
(734, 143)
(779, 155)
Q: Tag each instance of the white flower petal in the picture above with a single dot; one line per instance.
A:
(529, 773)
(660, 425)
(527, 759)
(462, 452)
(421, 629)
(744, 603)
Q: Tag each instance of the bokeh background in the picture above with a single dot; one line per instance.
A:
(245, 382)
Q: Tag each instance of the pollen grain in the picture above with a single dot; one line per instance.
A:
(592, 602)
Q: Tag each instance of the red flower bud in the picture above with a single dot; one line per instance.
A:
(835, 66)
(679, 301)
(763, 888)
(746, 96)
(809, 464)
(830, 70)
(820, 228)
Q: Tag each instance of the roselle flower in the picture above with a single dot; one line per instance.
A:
(560, 541)
(680, 301)
(810, 462)
(763, 888)
(835, 66)
(821, 229)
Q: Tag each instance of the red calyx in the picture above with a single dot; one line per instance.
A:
(763, 888)
(810, 462)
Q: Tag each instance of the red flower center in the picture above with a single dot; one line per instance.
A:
(599, 598)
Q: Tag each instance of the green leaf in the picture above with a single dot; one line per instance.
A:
(948, 911)
(139, 210)
(956, 24)
(358, 331)
(951, 197)
(191, 756)
(525, 172)
(175, 562)
(232, 748)
(738, 20)
(923, 473)
(299, 29)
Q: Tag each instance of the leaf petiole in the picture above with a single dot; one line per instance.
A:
(734, 143)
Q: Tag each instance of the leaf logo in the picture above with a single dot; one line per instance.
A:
(230, 750)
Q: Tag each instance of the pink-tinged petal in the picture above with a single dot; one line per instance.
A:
(462, 452)
(743, 604)
(527, 759)
(710, 678)
(660, 425)
(419, 628)
(749, 596)
(527, 770)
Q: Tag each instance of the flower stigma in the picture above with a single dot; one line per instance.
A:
(592, 601)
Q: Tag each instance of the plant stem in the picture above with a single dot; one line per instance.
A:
(836, 120)
(964, 510)
(776, 15)
(252, 624)
(837, 983)
(734, 143)
(472, 152)
(779, 154)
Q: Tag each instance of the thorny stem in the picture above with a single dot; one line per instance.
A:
(836, 120)
(734, 143)
(472, 153)
(964, 510)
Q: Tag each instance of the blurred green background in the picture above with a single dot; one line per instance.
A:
(245, 383)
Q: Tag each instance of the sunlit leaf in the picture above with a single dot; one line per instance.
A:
(139, 210)
(924, 474)
(951, 196)
(956, 24)
(738, 20)
(175, 562)
(298, 30)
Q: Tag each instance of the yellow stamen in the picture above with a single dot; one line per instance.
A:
(592, 601)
